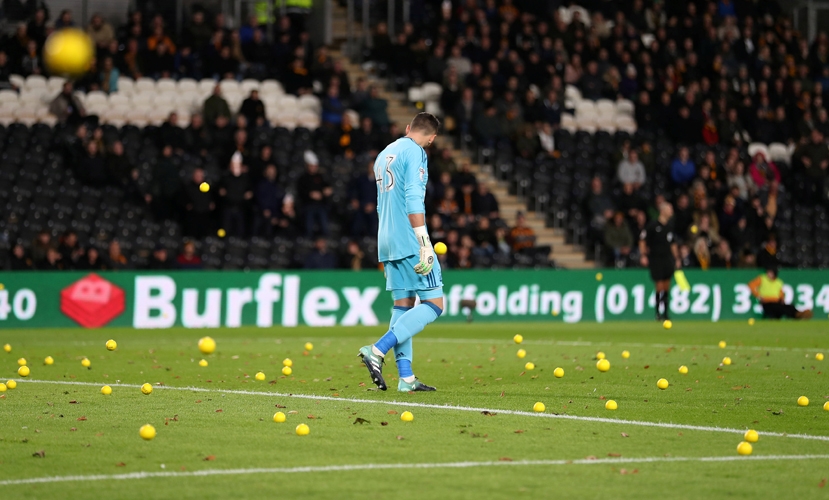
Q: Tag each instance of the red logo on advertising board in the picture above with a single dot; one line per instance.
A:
(92, 301)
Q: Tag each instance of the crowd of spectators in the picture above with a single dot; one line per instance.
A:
(254, 196)
(707, 77)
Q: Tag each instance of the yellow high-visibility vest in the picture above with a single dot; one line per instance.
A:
(770, 289)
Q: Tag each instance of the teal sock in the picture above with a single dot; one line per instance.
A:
(415, 320)
(396, 313)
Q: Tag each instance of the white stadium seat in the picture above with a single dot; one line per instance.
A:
(143, 85)
(187, 85)
(35, 81)
(166, 85)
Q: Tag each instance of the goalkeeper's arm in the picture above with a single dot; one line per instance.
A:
(427, 255)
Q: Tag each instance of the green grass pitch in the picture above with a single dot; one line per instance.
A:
(477, 437)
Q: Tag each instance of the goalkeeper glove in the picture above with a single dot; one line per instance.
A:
(427, 255)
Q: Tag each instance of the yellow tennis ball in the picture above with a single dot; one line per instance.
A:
(558, 372)
(106, 390)
(147, 389)
(7, 348)
(611, 405)
(751, 436)
(221, 233)
(21, 362)
(600, 355)
(521, 353)
(204, 187)
(406, 416)
(683, 370)
(203, 363)
(667, 324)
(11, 384)
(626, 354)
(86, 363)
(279, 417)
(825, 405)
(750, 321)
(722, 344)
(726, 361)
(662, 384)
(23, 371)
(440, 248)
(48, 360)
(802, 401)
(529, 366)
(309, 346)
(287, 362)
(599, 276)
(286, 370)
(819, 356)
(147, 432)
(302, 430)
(2, 387)
(744, 448)
(260, 376)
(518, 338)
(603, 365)
(68, 52)
(539, 407)
(207, 345)
(111, 345)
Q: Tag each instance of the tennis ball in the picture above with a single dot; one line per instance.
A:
(521, 353)
(203, 363)
(626, 354)
(11, 384)
(21, 362)
(147, 432)
(23, 371)
(204, 187)
(86, 363)
(599, 276)
(106, 390)
(111, 345)
(406, 416)
(529, 366)
(48, 360)
(309, 346)
(825, 405)
(440, 248)
(722, 344)
(68, 52)
(147, 389)
(662, 384)
(279, 417)
(554, 312)
(603, 365)
(287, 362)
(667, 324)
(2, 387)
(539, 407)
(260, 376)
(286, 370)
(750, 321)
(558, 372)
(744, 448)
(7, 348)
(221, 233)
(726, 361)
(611, 405)
(518, 338)
(819, 356)
(600, 355)
(683, 370)
(207, 345)
(302, 430)
(751, 436)
(802, 401)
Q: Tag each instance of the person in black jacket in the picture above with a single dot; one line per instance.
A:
(198, 207)
(19, 260)
(235, 193)
(313, 192)
(253, 109)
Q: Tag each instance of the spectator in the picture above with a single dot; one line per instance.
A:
(314, 192)
(375, 108)
(40, 245)
(363, 195)
(215, 106)
(484, 203)
(333, 107)
(521, 236)
(19, 261)
(366, 138)
(52, 262)
(739, 180)
(768, 289)
(235, 193)
(197, 137)
(70, 250)
(92, 261)
(701, 257)
(100, 31)
(319, 257)
(683, 169)
(354, 258)
(763, 172)
(269, 200)
(253, 109)
(66, 107)
(160, 260)
(599, 204)
(722, 257)
(109, 76)
(116, 260)
(5, 73)
(198, 206)
(767, 256)
(631, 170)
(188, 259)
(619, 239)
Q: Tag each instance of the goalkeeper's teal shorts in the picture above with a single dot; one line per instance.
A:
(403, 281)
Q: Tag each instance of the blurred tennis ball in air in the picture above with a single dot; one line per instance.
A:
(68, 52)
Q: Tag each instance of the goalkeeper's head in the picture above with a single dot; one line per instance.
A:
(423, 129)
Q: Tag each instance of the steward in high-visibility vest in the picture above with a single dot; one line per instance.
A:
(295, 6)
(768, 288)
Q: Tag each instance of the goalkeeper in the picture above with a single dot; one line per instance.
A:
(404, 248)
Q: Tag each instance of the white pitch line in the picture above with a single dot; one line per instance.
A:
(373, 467)
(411, 404)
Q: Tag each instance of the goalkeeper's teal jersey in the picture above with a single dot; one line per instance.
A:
(401, 175)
